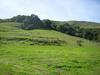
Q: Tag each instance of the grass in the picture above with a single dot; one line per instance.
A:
(84, 24)
(19, 57)
(49, 60)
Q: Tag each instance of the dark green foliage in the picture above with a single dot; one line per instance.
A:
(4, 20)
(32, 22)
(38, 41)
(54, 26)
(47, 42)
(29, 22)
(1, 20)
(47, 24)
(89, 34)
(79, 42)
(87, 30)
(66, 28)
(18, 18)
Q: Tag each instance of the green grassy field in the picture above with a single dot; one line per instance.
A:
(46, 52)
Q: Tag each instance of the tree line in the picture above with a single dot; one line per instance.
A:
(34, 22)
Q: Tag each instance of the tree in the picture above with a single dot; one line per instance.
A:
(79, 42)
(32, 22)
(47, 24)
(18, 18)
(66, 28)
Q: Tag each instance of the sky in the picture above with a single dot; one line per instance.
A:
(63, 10)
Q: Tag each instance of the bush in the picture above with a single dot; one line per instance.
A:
(47, 42)
(79, 42)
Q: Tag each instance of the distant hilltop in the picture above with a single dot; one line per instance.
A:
(84, 29)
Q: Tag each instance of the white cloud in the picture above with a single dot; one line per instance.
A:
(52, 9)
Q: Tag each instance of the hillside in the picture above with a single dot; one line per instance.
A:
(92, 26)
(45, 52)
(83, 29)
(85, 24)
(10, 31)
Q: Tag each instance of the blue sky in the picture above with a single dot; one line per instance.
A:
(64, 10)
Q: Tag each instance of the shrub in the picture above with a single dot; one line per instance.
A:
(79, 42)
